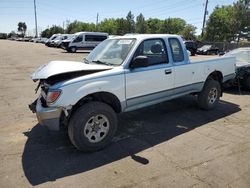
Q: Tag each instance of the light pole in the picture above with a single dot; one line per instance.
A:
(35, 16)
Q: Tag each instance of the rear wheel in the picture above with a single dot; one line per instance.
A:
(92, 126)
(209, 97)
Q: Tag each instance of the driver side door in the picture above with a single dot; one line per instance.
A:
(151, 84)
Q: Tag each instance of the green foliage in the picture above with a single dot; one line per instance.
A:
(172, 25)
(153, 25)
(141, 24)
(52, 30)
(109, 26)
(188, 32)
(130, 23)
(22, 28)
(77, 26)
(227, 21)
(121, 26)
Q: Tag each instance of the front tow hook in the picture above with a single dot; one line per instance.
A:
(32, 106)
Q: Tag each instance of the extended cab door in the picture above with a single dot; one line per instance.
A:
(151, 84)
(183, 71)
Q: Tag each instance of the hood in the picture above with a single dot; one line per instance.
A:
(60, 67)
(242, 64)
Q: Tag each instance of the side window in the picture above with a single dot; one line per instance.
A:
(95, 38)
(78, 39)
(176, 50)
(154, 49)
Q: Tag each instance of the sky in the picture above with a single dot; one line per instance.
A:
(56, 12)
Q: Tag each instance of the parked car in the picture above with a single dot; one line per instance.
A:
(191, 46)
(84, 41)
(120, 75)
(242, 66)
(208, 50)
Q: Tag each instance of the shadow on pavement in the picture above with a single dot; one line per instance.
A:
(78, 52)
(236, 91)
(49, 155)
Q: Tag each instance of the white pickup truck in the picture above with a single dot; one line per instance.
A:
(123, 74)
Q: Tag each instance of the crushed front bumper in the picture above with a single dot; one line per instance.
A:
(49, 117)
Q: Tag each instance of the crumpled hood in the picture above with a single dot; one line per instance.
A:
(242, 64)
(59, 67)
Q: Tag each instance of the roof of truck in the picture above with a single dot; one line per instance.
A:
(147, 36)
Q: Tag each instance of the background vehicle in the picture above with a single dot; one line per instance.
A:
(242, 66)
(84, 41)
(53, 37)
(208, 50)
(120, 75)
(191, 46)
(57, 42)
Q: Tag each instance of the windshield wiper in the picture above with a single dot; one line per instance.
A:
(101, 62)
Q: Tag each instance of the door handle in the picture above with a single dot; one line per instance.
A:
(168, 71)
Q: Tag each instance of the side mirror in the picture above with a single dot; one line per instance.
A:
(139, 61)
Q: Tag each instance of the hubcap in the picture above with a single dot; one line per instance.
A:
(96, 128)
(212, 96)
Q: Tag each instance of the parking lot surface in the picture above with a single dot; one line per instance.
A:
(173, 144)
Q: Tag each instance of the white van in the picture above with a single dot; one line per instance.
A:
(84, 41)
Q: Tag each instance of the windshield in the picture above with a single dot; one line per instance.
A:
(70, 37)
(242, 55)
(111, 52)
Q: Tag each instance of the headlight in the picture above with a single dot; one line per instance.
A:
(53, 95)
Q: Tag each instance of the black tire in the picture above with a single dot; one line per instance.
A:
(209, 97)
(83, 124)
(73, 49)
(246, 83)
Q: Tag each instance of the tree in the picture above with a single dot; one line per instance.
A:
(172, 25)
(188, 32)
(78, 26)
(141, 25)
(52, 30)
(241, 16)
(121, 26)
(154, 25)
(220, 25)
(109, 26)
(22, 27)
(130, 22)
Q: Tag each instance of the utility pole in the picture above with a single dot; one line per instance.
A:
(204, 19)
(96, 25)
(35, 17)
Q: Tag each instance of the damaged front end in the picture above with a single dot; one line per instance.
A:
(48, 114)
(50, 117)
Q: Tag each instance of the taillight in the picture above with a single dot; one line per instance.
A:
(53, 95)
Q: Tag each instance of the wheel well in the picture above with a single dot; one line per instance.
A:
(104, 97)
(216, 75)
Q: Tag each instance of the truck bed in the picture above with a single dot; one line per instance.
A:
(201, 57)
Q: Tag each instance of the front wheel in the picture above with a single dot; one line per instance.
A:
(209, 97)
(92, 126)
(73, 49)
